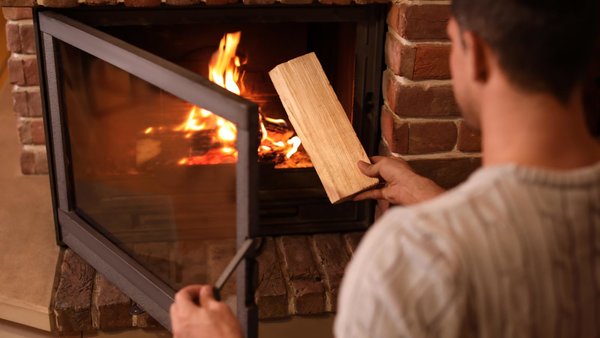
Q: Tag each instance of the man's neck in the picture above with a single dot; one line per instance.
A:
(535, 130)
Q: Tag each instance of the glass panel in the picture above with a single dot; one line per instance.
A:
(153, 173)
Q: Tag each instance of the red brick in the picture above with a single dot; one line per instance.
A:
(33, 160)
(420, 22)
(34, 102)
(306, 281)
(15, 71)
(24, 129)
(448, 173)
(13, 38)
(30, 69)
(469, 140)
(20, 102)
(352, 240)
(394, 132)
(366, 2)
(155, 256)
(296, 2)
(309, 297)
(101, 2)
(17, 13)
(383, 149)
(17, 3)
(27, 33)
(27, 162)
(259, 2)
(219, 254)
(27, 102)
(60, 3)
(431, 62)
(219, 2)
(31, 131)
(23, 70)
(145, 321)
(271, 294)
(419, 100)
(332, 257)
(423, 61)
(37, 131)
(142, 3)
(72, 304)
(335, 2)
(431, 137)
(395, 12)
(110, 306)
(182, 2)
(399, 58)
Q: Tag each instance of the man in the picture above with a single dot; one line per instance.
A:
(515, 250)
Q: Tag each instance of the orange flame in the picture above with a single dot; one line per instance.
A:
(224, 70)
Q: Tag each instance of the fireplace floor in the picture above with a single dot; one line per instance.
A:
(28, 251)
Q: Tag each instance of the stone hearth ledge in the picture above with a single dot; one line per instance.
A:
(297, 276)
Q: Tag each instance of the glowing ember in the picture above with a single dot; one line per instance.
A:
(213, 139)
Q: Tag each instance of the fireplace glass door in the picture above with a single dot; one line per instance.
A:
(158, 163)
(170, 147)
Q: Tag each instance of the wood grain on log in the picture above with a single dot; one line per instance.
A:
(319, 119)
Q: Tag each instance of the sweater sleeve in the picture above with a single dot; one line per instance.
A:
(402, 282)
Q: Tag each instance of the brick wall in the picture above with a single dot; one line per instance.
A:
(23, 74)
(420, 120)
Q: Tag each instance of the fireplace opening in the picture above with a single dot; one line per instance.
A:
(173, 133)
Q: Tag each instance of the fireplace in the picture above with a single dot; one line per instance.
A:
(170, 146)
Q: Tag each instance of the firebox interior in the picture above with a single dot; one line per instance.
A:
(292, 199)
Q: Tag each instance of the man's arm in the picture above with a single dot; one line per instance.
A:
(402, 185)
(404, 281)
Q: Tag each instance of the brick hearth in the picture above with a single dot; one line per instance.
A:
(297, 275)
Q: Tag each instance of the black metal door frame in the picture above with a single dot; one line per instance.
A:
(141, 285)
(137, 282)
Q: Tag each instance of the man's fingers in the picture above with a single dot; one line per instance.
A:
(188, 297)
(206, 296)
(374, 194)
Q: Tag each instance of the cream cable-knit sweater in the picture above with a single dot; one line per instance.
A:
(513, 252)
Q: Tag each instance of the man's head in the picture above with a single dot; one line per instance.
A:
(539, 46)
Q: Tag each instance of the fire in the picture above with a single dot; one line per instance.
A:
(212, 138)
(223, 70)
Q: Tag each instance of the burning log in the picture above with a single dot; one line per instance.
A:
(319, 119)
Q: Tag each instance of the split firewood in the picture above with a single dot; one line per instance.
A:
(319, 119)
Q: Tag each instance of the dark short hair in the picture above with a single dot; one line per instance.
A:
(542, 45)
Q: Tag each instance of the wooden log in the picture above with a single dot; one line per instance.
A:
(319, 119)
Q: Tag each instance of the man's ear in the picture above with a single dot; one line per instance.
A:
(478, 57)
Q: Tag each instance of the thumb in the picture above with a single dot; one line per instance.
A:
(371, 170)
